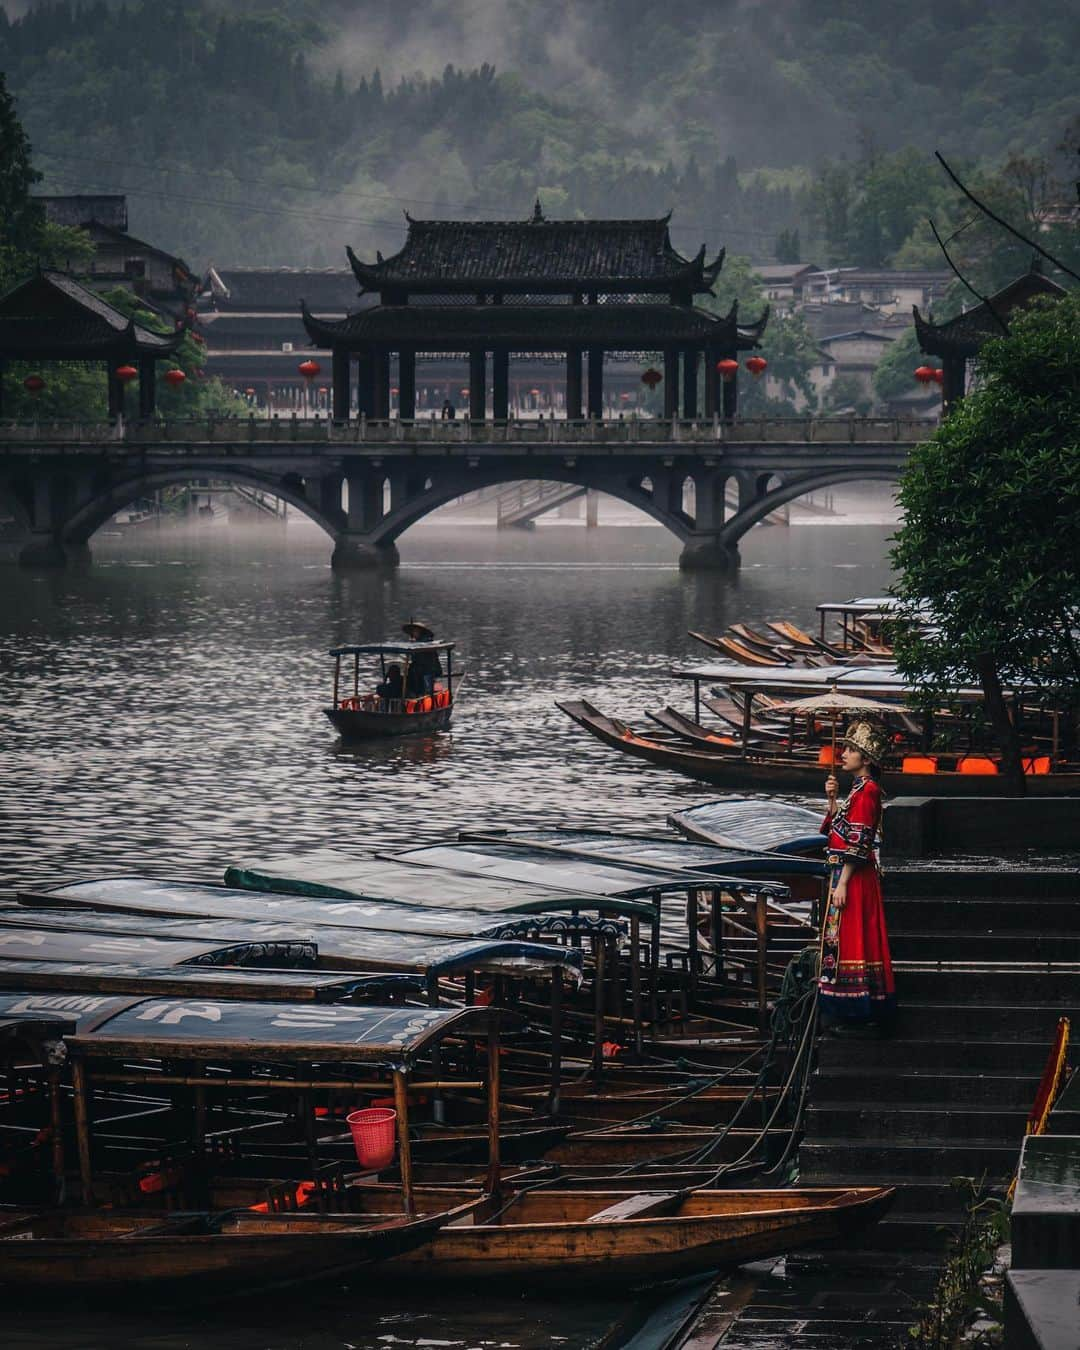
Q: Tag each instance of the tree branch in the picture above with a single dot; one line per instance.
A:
(1003, 223)
(983, 299)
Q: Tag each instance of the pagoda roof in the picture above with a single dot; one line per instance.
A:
(633, 327)
(278, 289)
(964, 335)
(51, 316)
(537, 254)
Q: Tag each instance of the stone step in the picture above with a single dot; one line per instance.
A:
(821, 1159)
(978, 884)
(925, 947)
(933, 913)
(923, 1089)
(939, 984)
(935, 1055)
(976, 1021)
(894, 1126)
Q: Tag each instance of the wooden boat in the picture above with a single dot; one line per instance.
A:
(103, 1252)
(364, 715)
(737, 650)
(636, 1237)
(773, 772)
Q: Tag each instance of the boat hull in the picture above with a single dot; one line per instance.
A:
(730, 770)
(708, 1230)
(357, 725)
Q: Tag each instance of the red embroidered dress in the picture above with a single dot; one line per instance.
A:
(856, 969)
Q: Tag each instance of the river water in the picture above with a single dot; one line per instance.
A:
(161, 712)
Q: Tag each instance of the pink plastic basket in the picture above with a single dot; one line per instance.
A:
(374, 1132)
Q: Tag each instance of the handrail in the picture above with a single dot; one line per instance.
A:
(427, 431)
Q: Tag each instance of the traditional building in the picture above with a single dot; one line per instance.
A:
(579, 288)
(889, 290)
(956, 341)
(255, 340)
(162, 280)
(52, 317)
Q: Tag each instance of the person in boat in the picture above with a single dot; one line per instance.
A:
(393, 687)
(856, 988)
(426, 664)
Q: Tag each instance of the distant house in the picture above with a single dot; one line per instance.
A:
(890, 291)
(854, 354)
(162, 280)
(783, 283)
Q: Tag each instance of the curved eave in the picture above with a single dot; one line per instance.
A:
(750, 334)
(322, 332)
(935, 340)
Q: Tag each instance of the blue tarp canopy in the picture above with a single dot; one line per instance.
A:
(320, 1033)
(339, 948)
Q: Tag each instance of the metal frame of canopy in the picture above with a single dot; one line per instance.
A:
(508, 956)
(394, 647)
(288, 1035)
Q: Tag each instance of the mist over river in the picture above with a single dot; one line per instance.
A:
(161, 713)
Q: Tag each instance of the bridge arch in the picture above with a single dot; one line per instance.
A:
(791, 488)
(440, 490)
(88, 518)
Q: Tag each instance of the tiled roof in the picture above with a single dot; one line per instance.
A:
(51, 312)
(530, 327)
(537, 253)
(965, 334)
(281, 289)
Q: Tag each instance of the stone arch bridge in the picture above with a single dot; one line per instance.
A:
(365, 483)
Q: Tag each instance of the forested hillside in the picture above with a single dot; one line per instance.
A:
(257, 132)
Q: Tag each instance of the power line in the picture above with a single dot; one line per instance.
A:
(725, 231)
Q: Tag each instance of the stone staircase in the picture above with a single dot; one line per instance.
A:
(986, 963)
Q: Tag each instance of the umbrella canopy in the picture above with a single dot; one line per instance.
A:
(833, 704)
(418, 631)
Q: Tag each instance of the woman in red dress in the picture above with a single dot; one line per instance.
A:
(856, 984)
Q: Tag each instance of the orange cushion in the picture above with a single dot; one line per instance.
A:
(977, 764)
(1041, 764)
(919, 764)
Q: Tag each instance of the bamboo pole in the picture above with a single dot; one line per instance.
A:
(494, 1178)
(761, 924)
(598, 1009)
(337, 678)
(56, 1123)
(401, 1105)
(82, 1130)
(635, 979)
(556, 1041)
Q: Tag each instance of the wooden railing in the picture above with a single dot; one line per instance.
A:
(431, 431)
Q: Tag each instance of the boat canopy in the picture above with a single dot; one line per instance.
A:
(756, 823)
(72, 1009)
(392, 647)
(666, 853)
(323, 1033)
(321, 987)
(33, 1029)
(870, 680)
(368, 949)
(602, 881)
(190, 901)
(49, 945)
(446, 876)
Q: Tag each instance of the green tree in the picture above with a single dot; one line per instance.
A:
(788, 248)
(895, 372)
(990, 543)
(21, 219)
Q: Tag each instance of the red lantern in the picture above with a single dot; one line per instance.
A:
(727, 368)
(250, 393)
(309, 369)
(33, 384)
(651, 378)
(175, 377)
(925, 374)
(125, 374)
(756, 366)
(465, 393)
(939, 375)
(393, 389)
(535, 393)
